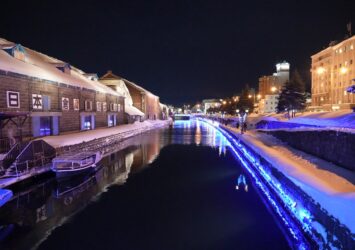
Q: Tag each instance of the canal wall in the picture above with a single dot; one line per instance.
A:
(331, 145)
(316, 222)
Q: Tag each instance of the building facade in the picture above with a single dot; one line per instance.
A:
(141, 98)
(271, 84)
(208, 104)
(333, 72)
(270, 87)
(268, 104)
(41, 96)
(116, 83)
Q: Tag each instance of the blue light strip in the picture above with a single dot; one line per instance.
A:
(299, 213)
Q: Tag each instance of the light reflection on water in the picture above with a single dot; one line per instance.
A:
(36, 210)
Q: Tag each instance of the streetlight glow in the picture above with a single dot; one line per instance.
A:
(320, 70)
(273, 88)
(343, 70)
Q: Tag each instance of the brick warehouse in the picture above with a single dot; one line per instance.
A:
(40, 95)
(142, 99)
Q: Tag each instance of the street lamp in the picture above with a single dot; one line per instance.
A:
(273, 89)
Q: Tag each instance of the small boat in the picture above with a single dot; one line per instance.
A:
(71, 164)
(5, 196)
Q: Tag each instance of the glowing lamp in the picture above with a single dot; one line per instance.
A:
(343, 70)
(320, 70)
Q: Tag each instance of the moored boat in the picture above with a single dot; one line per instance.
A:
(72, 164)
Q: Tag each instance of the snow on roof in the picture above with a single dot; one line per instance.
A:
(44, 67)
(111, 76)
(131, 110)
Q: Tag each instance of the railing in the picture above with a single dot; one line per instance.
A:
(30, 166)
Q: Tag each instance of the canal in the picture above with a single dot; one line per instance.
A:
(173, 188)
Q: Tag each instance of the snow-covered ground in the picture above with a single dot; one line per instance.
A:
(86, 136)
(332, 186)
(334, 119)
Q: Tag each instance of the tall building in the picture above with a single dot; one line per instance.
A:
(333, 72)
(271, 84)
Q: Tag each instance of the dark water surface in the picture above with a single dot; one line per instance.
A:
(169, 189)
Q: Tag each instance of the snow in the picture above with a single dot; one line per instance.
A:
(332, 186)
(333, 119)
(85, 136)
(131, 110)
(42, 66)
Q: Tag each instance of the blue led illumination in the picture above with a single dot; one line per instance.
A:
(265, 182)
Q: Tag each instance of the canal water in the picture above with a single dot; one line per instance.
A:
(173, 188)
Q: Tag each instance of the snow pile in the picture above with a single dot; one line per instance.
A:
(345, 119)
(334, 119)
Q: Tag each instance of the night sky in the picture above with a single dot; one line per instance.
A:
(183, 51)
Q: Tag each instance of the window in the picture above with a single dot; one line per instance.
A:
(98, 106)
(113, 106)
(13, 99)
(88, 105)
(104, 106)
(46, 102)
(119, 107)
(76, 104)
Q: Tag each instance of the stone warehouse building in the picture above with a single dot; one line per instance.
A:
(142, 99)
(117, 83)
(41, 95)
(333, 72)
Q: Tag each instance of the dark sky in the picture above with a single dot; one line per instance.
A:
(183, 51)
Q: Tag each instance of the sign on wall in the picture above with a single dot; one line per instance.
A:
(104, 106)
(76, 104)
(98, 106)
(65, 103)
(37, 102)
(13, 99)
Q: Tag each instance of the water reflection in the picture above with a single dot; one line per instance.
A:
(34, 212)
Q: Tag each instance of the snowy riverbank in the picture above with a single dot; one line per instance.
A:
(123, 131)
(329, 185)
